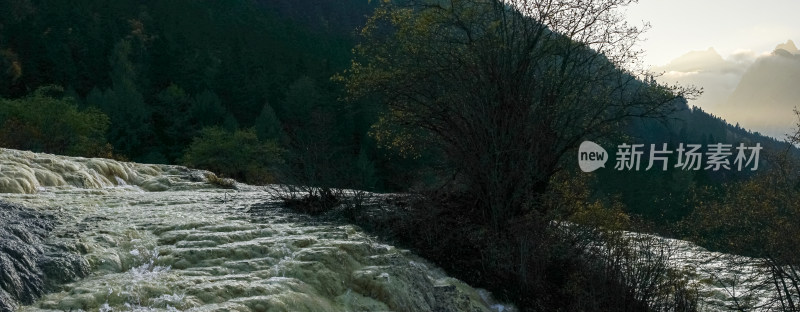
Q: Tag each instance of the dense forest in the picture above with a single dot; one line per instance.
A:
(348, 94)
(165, 75)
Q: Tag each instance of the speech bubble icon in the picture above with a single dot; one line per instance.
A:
(591, 156)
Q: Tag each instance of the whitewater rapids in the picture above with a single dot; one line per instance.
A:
(101, 235)
(87, 234)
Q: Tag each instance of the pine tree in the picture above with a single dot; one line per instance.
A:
(267, 125)
(125, 105)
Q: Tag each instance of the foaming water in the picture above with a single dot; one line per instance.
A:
(196, 250)
(194, 247)
(27, 172)
(162, 238)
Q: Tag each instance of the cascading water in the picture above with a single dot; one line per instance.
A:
(95, 234)
(102, 235)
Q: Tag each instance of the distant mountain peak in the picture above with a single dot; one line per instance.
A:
(788, 46)
(695, 61)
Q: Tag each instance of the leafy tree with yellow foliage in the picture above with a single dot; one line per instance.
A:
(758, 218)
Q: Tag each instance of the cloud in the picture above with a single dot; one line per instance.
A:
(744, 56)
(768, 92)
(757, 90)
(707, 69)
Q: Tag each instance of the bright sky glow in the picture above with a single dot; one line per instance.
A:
(680, 26)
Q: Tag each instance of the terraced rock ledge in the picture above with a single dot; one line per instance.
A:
(106, 235)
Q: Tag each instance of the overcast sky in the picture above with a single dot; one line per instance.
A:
(730, 26)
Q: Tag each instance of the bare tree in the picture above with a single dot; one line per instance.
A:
(504, 89)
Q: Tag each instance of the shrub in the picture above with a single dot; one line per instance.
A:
(236, 154)
(575, 258)
(47, 122)
(310, 200)
(757, 218)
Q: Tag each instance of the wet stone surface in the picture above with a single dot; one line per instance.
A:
(195, 250)
(28, 266)
(100, 235)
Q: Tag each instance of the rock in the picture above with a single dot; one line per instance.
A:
(63, 267)
(26, 270)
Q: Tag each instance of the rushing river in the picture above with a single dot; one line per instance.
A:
(100, 235)
(90, 234)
